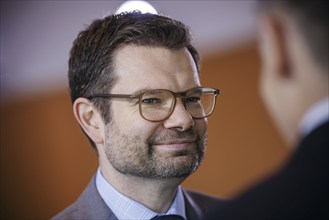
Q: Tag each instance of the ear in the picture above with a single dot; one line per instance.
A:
(89, 119)
(274, 48)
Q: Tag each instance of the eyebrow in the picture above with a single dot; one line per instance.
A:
(146, 89)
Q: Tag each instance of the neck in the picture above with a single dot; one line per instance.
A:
(156, 194)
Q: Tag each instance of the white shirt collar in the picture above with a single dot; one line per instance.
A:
(126, 208)
(317, 115)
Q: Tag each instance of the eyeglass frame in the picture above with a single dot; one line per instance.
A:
(139, 96)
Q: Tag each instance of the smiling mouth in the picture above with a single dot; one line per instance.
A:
(175, 145)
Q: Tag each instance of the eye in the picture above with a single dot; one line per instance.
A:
(194, 99)
(151, 101)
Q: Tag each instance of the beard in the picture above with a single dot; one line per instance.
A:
(130, 155)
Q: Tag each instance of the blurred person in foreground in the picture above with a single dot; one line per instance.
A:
(136, 93)
(294, 85)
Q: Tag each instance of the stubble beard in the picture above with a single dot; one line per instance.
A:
(130, 156)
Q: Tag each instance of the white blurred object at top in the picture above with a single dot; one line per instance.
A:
(142, 6)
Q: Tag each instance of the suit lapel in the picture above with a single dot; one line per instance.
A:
(90, 205)
(193, 210)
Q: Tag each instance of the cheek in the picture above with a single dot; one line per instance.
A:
(131, 123)
(201, 126)
(262, 87)
(143, 129)
(125, 113)
(266, 90)
(272, 97)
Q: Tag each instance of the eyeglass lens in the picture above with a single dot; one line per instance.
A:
(156, 105)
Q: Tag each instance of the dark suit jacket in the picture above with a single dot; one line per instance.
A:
(298, 191)
(90, 205)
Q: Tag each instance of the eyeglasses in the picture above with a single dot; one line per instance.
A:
(157, 105)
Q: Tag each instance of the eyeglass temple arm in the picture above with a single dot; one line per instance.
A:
(113, 96)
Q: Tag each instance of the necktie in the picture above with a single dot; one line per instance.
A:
(168, 217)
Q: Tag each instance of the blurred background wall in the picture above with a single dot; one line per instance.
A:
(45, 159)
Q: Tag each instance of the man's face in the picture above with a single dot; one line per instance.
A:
(134, 146)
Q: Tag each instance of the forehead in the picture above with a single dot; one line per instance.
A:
(141, 67)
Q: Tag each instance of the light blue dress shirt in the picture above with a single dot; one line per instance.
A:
(126, 208)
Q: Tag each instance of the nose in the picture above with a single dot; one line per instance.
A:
(180, 119)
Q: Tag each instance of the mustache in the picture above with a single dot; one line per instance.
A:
(169, 135)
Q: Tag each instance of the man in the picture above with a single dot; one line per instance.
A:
(136, 94)
(294, 85)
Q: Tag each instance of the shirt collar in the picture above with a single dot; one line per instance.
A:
(126, 208)
(317, 115)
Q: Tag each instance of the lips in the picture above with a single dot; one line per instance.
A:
(175, 145)
(175, 142)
